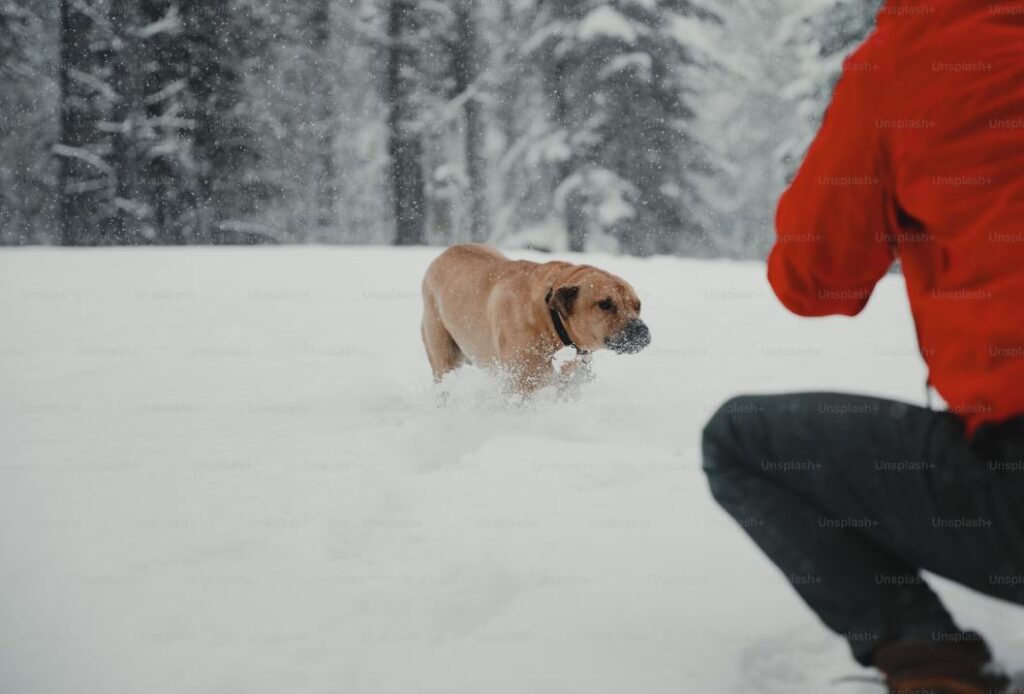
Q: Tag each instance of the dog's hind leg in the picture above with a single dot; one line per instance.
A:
(442, 351)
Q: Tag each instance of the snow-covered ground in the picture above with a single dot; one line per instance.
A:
(226, 471)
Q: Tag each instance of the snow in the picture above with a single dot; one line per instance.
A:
(605, 21)
(226, 470)
(697, 35)
(638, 63)
(610, 190)
(549, 234)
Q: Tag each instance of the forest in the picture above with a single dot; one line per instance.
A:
(634, 126)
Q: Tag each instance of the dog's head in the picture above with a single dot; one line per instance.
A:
(599, 310)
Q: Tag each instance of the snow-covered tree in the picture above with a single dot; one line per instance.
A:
(617, 75)
(820, 34)
(781, 60)
(405, 144)
(647, 126)
(29, 121)
(223, 41)
(154, 145)
(121, 122)
(89, 181)
(468, 63)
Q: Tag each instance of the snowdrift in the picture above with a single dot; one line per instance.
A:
(226, 470)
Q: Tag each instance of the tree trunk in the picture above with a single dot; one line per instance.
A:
(199, 21)
(76, 216)
(467, 69)
(327, 189)
(223, 142)
(166, 171)
(404, 145)
(128, 160)
(576, 221)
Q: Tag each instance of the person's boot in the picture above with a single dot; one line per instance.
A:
(960, 666)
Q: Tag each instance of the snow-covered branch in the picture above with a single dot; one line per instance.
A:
(170, 23)
(84, 155)
(169, 90)
(94, 83)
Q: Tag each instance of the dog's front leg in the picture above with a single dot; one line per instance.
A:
(574, 374)
(568, 369)
(528, 376)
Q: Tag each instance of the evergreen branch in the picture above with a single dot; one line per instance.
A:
(84, 155)
(98, 85)
(90, 186)
(169, 23)
(167, 92)
(98, 17)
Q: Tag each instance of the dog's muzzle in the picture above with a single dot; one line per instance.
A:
(631, 339)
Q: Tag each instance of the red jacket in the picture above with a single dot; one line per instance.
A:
(921, 156)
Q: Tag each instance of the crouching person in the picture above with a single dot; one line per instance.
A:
(864, 493)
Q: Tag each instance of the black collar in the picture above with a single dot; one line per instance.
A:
(563, 334)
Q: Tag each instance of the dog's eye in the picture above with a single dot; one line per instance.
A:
(605, 304)
(638, 307)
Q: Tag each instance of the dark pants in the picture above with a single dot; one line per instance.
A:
(852, 496)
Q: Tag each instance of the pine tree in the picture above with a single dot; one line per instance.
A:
(579, 123)
(746, 117)
(84, 174)
(129, 131)
(404, 144)
(29, 120)
(14, 23)
(364, 188)
(169, 167)
(323, 62)
(822, 39)
(124, 143)
(466, 50)
(616, 73)
(529, 163)
(220, 46)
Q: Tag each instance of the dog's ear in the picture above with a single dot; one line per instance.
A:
(562, 299)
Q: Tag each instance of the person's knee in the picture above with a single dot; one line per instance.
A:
(721, 440)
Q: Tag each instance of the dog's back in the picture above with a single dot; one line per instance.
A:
(461, 256)
(455, 290)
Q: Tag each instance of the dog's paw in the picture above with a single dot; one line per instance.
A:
(569, 368)
(572, 377)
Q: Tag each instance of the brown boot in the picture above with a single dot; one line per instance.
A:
(957, 666)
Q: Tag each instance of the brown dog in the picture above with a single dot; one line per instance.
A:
(481, 307)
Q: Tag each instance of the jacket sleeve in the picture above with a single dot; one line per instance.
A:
(832, 224)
